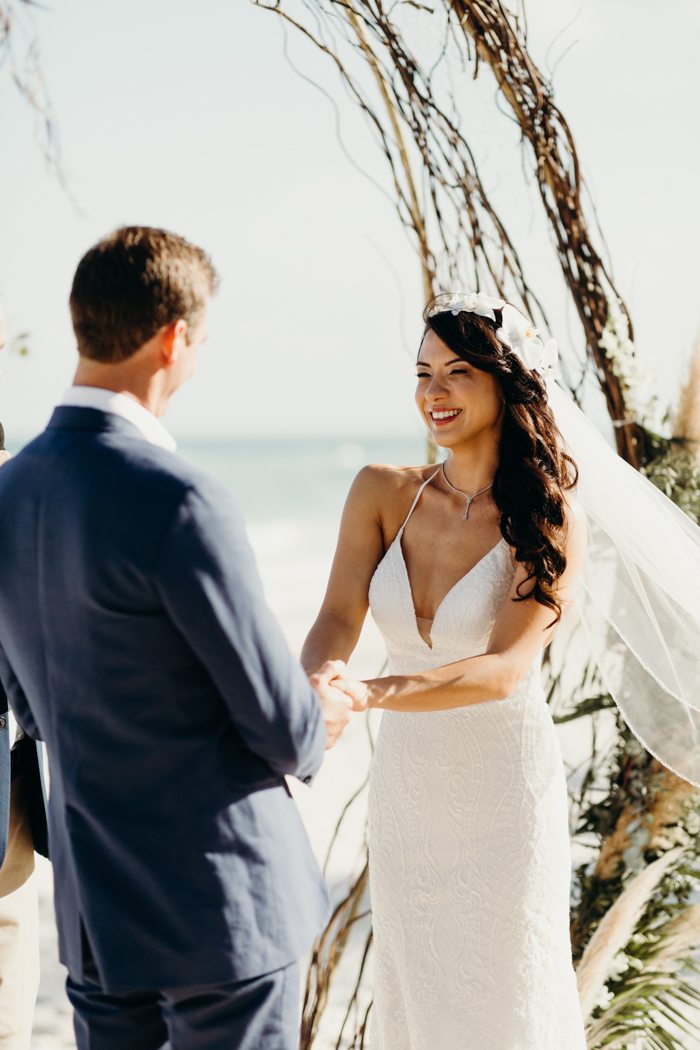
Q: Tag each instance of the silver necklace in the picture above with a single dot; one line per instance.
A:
(469, 499)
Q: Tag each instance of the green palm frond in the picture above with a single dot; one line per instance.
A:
(644, 1009)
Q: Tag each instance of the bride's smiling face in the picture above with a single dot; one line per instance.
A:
(458, 402)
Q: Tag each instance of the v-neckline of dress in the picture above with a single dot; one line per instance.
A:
(461, 580)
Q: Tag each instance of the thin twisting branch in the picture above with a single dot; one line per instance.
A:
(19, 48)
(414, 205)
(439, 193)
(327, 954)
(502, 46)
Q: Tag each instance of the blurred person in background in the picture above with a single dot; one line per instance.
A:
(22, 830)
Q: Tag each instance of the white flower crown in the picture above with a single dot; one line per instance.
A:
(516, 331)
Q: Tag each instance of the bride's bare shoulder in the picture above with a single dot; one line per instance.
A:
(385, 491)
(388, 482)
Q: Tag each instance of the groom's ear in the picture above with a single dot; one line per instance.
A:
(173, 340)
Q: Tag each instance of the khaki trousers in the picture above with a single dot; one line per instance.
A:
(19, 929)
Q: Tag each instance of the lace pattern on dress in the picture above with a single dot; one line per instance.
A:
(469, 845)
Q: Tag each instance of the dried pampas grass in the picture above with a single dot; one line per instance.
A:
(616, 928)
(679, 938)
(670, 794)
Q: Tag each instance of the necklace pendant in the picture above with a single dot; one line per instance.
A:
(469, 499)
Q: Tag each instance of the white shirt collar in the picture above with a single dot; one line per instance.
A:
(121, 405)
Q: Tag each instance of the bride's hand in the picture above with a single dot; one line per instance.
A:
(358, 692)
(335, 701)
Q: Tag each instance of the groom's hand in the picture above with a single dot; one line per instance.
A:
(335, 703)
(357, 691)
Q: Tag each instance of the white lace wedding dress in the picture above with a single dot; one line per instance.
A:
(469, 847)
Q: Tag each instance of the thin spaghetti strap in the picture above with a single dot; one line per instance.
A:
(418, 496)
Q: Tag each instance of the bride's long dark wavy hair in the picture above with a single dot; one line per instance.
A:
(533, 471)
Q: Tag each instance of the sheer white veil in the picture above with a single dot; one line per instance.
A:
(638, 594)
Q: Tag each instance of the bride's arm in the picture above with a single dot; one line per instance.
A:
(520, 631)
(360, 548)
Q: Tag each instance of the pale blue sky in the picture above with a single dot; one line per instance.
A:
(187, 116)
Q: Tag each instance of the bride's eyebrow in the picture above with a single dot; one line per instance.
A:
(454, 361)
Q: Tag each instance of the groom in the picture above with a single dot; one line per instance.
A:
(137, 644)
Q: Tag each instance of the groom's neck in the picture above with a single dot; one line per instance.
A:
(137, 377)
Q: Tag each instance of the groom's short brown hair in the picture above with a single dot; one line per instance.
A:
(132, 284)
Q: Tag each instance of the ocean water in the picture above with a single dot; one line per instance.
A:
(296, 478)
(290, 477)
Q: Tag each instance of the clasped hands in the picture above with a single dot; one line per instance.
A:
(339, 697)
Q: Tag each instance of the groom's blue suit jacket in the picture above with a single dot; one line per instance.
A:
(137, 644)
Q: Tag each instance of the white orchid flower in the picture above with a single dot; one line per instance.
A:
(455, 305)
(521, 336)
(475, 303)
(549, 359)
(516, 329)
(530, 353)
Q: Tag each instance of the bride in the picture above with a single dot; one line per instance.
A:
(466, 568)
